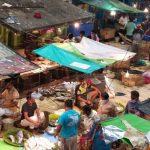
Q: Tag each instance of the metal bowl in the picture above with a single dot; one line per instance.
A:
(50, 130)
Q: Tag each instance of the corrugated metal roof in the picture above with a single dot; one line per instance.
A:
(23, 3)
(12, 63)
(55, 12)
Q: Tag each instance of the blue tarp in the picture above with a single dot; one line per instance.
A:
(87, 27)
(67, 59)
(146, 38)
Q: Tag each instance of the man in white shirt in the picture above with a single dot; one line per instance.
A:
(123, 20)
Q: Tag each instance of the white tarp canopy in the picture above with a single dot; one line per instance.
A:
(96, 50)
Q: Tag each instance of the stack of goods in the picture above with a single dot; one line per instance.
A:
(130, 79)
(61, 92)
(118, 67)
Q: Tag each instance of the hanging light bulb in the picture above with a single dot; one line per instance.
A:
(59, 30)
(146, 10)
(135, 5)
(113, 13)
(127, 74)
(76, 25)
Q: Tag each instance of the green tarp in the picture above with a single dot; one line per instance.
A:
(138, 123)
(72, 49)
(96, 52)
(67, 59)
(112, 5)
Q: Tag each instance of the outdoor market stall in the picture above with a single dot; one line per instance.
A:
(107, 15)
(29, 18)
(67, 59)
(89, 50)
(26, 26)
(22, 70)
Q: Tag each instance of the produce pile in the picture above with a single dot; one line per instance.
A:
(16, 136)
(60, 92)
(39, 143)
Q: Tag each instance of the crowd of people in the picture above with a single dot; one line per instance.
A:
(125, 25)
(132, 30)
(73, 124)
(95, 107)
(94, 103)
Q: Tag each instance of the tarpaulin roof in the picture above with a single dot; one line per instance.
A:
(12, 63)
(134, 120)
(67, 59)
(86, 56)
(112, 5)
(138, 123)
(96, 51)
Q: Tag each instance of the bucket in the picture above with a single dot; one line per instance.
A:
(7, 123)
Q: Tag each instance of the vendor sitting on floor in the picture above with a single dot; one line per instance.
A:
(8, 96)
(132, 105)
(86, 92)
(31, 115)
(107, 108)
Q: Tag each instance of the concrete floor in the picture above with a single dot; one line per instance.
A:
(51, 105)
(119, 87)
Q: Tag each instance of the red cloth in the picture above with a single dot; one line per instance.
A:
(147, 80)
(38, 15)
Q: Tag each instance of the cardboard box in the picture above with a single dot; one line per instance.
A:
(132, 80)
(107, 33)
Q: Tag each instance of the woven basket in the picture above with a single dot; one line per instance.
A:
(132, 80)
(121, 65)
